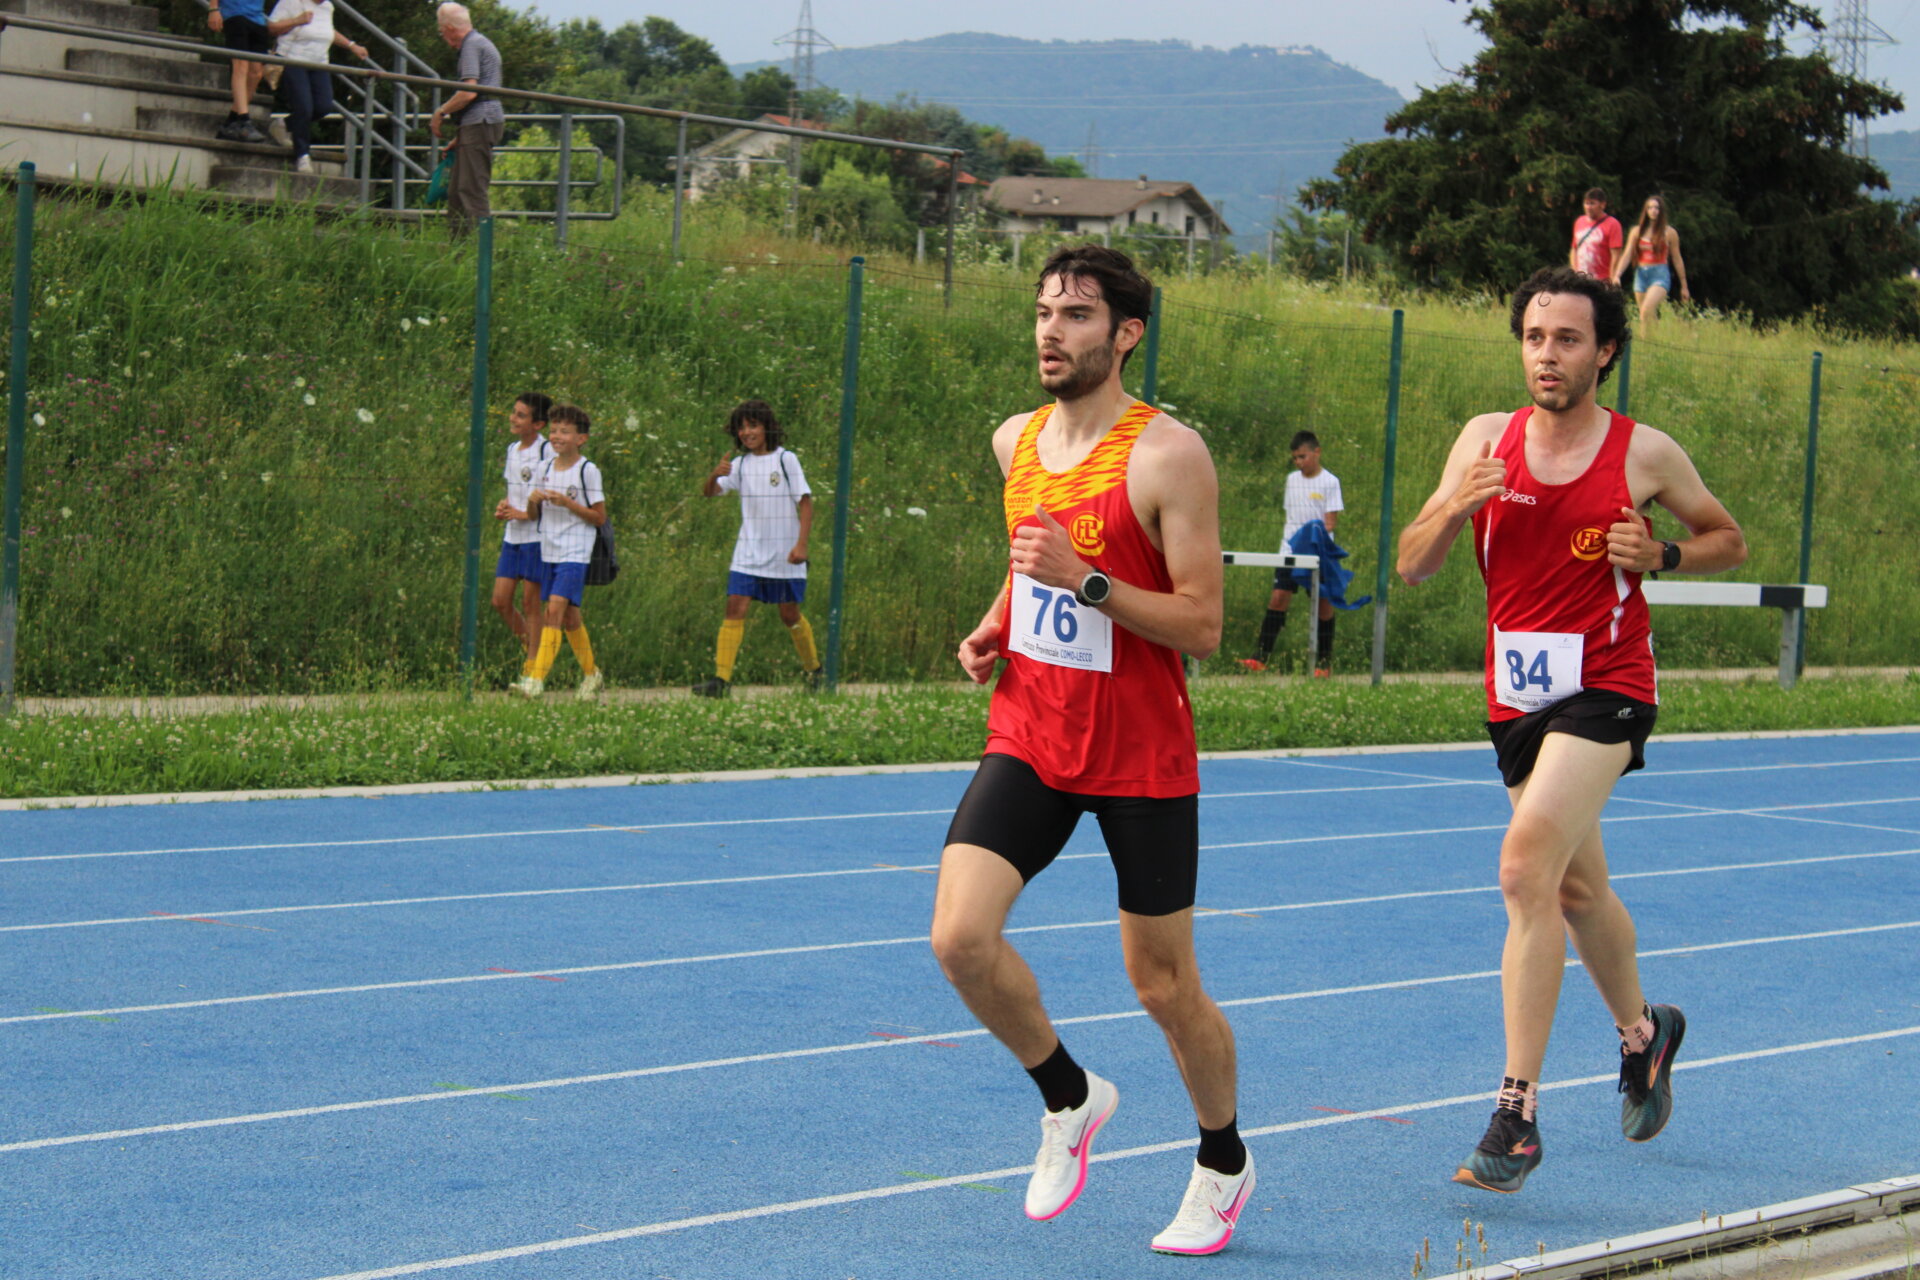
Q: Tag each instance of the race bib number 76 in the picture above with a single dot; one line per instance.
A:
(1048, 625)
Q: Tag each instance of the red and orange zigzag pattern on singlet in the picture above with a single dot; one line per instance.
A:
(1103, 469)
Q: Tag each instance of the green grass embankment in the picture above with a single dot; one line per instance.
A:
(248, 458)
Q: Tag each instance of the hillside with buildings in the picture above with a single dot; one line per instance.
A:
(1238, 124)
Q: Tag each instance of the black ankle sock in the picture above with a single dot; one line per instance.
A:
(1326, 642)
(1062, 1081)
(1221, 1149)
(1270, 631)
(234, 117)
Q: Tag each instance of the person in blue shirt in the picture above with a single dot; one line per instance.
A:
(243, 25)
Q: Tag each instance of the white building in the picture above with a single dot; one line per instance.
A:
(1094, 206)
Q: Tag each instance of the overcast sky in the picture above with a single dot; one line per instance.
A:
(1403, 42)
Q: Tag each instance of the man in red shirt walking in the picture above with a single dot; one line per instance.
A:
(1597, 240)
(1555, 494)
(1112, 513)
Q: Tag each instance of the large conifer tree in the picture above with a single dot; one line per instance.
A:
(1698, 99)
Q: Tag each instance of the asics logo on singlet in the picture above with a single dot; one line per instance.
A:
(1525, 499)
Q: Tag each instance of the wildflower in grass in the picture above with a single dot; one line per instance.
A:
(266, 477)
(633, 420)
(917, 511)
(39, 419)
(66, 513)
(308, 398)
(365, 415)
(422, 321)
(299, 383)
(406, 325)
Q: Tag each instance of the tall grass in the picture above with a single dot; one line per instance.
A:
(247, 466)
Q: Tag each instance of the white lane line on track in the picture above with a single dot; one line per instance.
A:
(1434, 780)
(787, 1055)
(917, 939)
(1128, 1153)
(175, 917)
(647, 828)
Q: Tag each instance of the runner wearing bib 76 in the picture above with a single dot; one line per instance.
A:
(1555, 496)
(1114, 570)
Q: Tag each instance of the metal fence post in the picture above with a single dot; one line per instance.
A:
(563, 189)
(16, 433)
(1383, 574)
(1806, 513)
(400, 92)
(953, 216)
(1150, 380)
(1626, 381)
(843, 482)
(476, 452)
(679, 183)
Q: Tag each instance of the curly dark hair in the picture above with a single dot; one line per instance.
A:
(1609, 307)
(1128, 293)
(756, 411)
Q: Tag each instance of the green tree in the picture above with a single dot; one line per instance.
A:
(1697, 99)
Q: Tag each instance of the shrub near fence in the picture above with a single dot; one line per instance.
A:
(247, 468)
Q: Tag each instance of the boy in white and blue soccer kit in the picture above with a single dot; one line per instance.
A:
(519, 563)
(1312, 493)
(770, 555)
(570, 504)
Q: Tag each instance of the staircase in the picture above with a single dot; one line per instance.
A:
(86, 109)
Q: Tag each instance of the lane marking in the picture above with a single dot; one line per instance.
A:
(1690, 814)
(921, 939)
(817, 1051)
(1343, 1111)
(173, 915)
(1129, 1153)
(1439, 780)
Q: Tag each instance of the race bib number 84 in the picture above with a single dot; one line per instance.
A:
(1048, 625)
(1535, 669)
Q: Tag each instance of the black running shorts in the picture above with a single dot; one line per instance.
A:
(1154, 843)
(1598, 715)
(244, 35)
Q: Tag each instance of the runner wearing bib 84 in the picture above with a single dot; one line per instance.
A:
(1555, 496)
(1114, 570)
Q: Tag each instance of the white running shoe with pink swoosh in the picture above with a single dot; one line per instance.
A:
(1210, 1211)
(1066, 1140)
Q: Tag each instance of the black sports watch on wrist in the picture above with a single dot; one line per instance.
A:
(1669, 556)
(1094, 589)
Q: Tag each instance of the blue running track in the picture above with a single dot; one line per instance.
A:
(696, 1032)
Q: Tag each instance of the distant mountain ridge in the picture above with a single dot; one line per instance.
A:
(1237, 123)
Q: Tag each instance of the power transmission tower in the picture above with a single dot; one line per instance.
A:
(1090, 158)
(1849, 36)
(804, 39)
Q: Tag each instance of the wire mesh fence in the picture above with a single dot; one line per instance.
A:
(263, 489)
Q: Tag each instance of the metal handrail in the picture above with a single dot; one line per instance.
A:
(375, 76)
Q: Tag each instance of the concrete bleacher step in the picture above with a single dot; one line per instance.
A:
(155, 69)
(264, 183)
(90, 13)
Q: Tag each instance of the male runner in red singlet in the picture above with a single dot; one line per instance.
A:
(1554, 494)
(1112, 510)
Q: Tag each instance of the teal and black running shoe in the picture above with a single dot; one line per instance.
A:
(1504, 1158)
(1646, 1078)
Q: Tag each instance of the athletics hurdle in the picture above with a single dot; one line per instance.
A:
(1280, 560)
(1791, 599)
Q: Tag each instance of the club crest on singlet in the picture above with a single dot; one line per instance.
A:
(1088, 531)
(1589, 543)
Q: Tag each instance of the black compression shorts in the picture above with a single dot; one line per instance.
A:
(1598, 715)
(1154, 843)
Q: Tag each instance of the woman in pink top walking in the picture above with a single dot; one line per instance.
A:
(1651, 246)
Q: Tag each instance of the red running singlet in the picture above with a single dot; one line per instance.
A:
(1092, 707)
(1560, 618)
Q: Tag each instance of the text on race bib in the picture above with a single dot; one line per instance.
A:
(1535, 669)
(1048, 625)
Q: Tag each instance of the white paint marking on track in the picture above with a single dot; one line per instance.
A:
(1128, 1153)
(786, 1055)
(1430, 780)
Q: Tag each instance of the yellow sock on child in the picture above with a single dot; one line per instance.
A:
(549, 650)
(727, 651)
(802, 633)
(582, 648)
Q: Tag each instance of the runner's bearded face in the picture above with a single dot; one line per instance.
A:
(1558, 349)
(1077, 340)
